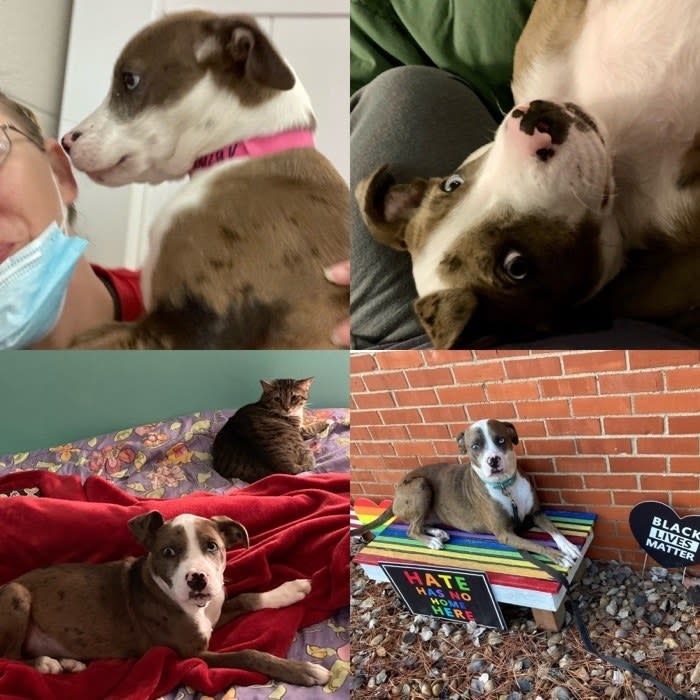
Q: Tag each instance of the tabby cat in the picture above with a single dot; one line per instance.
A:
(267, 437)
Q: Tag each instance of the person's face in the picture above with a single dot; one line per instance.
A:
(35, 186)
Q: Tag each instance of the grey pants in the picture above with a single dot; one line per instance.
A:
(423, 122)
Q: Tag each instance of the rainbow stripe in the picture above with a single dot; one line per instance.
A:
(502, 564)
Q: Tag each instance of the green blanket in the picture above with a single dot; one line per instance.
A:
(473, 39)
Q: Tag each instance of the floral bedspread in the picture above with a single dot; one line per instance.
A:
(172, 458)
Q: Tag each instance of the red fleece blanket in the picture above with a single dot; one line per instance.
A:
(298, 528)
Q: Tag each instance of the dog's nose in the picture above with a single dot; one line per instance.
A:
(196, 581)
(493, 461)
(69, 139)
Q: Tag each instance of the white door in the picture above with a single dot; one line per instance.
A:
(313, 35)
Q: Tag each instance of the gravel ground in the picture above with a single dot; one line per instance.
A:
(647, 621)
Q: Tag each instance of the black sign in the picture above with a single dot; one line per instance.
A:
(450, 594)
(671, 540)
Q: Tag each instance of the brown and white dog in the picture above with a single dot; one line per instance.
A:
(487, 495)
(237, 259)
(62, 616)
(597, 164)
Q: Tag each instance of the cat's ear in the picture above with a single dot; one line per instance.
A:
(305, 383)
(267, 386)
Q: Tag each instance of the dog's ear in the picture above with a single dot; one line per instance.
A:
(250, 50)
(232, 532)
(444, 314)
(387, 207)
(462, 442)
(510, 428)
(144, 527)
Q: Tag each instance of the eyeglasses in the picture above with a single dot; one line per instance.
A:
(6, 143)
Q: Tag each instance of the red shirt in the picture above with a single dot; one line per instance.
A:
(125, 285)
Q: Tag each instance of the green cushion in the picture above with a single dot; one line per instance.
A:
(473, 39)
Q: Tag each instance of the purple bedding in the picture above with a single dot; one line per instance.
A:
(173, 458)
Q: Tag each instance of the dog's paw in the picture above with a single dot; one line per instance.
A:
(314, 674)
(72, 665)
(436, 532)
(435, 543)
(570, 551)
(287, 593)
(47, 664)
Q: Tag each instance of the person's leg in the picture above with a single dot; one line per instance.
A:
(422, 122)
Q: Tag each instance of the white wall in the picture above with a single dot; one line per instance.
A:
(33, 42)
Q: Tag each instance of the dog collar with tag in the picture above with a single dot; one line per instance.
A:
(257, 147)
(499, 485)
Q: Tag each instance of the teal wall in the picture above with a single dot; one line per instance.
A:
(51, 397)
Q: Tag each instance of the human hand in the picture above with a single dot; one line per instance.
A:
(340, 274)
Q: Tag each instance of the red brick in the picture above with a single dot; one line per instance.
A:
(382, 399)
(576, 386)
(631, 498)
(399, 359)
(447, 449)
(631, 383)
(558, 481)
(363, 475)
(668, 445)
(684, 465)
(640, 359)
(389, 476)
(611, 481)
(550, 446)
(617, 514)
(364, 417)
(573, 426)
(376, 447)
(533, 367)
(670, 483)
(474, 372)
(356, 384)
(604, 446)
(495, 354)
(358, 433)
(686, 378)
(400, 416)
(600, 361)
(443, 414)
(531, 428)
(544, 409)
(686, 501)
(440, 376)
(429, 430)
(360, 362)
(385, 380)
(549, 498)
(415, 397)
(601, 406)
(659, 404)
(588, 498)
(535, 465)
(414, 447)
(388, 432)
(619, 541)
(377, 491)
(512, 391)
(460, 394)
(583, 464)
(445, 357)
(678, 425)
(638, 465)
(362, 462)
(500, 411)
(634, 425)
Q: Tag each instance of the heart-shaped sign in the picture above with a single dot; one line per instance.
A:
(671, 540)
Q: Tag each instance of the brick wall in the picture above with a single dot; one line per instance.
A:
(600, 431)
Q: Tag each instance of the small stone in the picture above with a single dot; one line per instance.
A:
(621, 634)
(514, 696)
(670, 643)
(476, 666)
(554, 639)
(494, 639)
(381, 677)
(425, 690)
(618, 678)
(560, 693)
(675, 626)
(380, 651)
(639, 599)
(405, 690)
(477, 686)
(695, 675)
(611, 608)
(358, 680)
(524, 685)
(582, 674)
(436, 689)
(426, 634)
(640, 695)
(678, 679)
(409, 638)
(566, 661)
(376, 640)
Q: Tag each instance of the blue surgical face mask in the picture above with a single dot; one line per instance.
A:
(33, 285)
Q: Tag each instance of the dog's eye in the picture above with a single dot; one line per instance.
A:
(168, 552)
(212, 546)
(516, 266)
(451, 183)
(476, 446)
(131, 80)
(500, 441)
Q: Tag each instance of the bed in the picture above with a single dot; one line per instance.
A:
(99, 482)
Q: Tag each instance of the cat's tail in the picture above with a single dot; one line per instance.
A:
(386, 515)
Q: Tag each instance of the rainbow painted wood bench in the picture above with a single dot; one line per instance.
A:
(513, 579)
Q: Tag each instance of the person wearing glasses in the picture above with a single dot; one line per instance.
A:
(49, 292)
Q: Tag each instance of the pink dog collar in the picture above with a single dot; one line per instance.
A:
(257, 147)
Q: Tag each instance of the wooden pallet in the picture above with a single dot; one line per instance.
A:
(512, 579)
